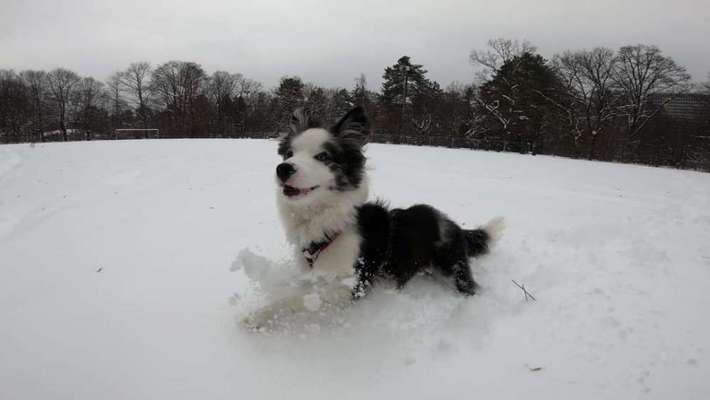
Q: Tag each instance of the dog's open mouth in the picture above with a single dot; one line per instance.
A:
(290, 191)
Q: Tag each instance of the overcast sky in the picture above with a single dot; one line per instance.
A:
(331, 42)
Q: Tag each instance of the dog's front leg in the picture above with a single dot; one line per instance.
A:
(271, 313)
(362, 287)
(333, 295)
(365, 273)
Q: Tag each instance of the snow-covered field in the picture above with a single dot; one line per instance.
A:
(121, 278)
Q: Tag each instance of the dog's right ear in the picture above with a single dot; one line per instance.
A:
(299, 121)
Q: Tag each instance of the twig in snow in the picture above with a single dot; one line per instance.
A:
(527, 294)
(533, 369)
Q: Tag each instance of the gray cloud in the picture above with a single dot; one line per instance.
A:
(331, 42)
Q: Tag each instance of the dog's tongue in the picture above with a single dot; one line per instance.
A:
(291, 191)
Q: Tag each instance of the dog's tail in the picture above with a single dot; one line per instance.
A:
(481, 240)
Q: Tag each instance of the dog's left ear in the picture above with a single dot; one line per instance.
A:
(353, 126)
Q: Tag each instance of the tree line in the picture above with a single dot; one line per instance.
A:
(634, 104)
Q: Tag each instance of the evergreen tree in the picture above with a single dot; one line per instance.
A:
(342, 103)
(15, 106)
(455, 112)
(401, 82)
(404, 86)
(520, 103)
(316, 103)
(288, 96)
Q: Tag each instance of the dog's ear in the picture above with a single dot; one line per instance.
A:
(299, 121)
(353, 126)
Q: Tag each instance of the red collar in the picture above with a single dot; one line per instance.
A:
(314, 249)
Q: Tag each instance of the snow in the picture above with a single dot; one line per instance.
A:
(126, 268)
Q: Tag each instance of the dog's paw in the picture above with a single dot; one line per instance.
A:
(253, 324)
(259, 321)
(266, 318)
(312, 302)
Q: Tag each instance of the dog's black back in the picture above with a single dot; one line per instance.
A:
(400, 243)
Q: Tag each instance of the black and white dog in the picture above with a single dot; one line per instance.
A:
(322, 196)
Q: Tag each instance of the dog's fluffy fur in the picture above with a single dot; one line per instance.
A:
(322, 190)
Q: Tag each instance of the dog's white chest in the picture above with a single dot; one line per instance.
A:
(339, 257)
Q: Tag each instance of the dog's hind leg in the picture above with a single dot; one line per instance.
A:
(463, 278)
(451, 259)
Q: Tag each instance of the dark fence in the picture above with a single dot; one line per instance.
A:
(455, 142)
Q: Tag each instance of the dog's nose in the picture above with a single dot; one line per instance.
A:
(284, 171)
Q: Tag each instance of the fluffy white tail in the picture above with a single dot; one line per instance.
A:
(494, 228)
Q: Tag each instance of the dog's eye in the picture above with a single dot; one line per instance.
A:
(289, 154)
(322, 156)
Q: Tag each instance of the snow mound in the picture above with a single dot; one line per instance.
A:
(426, 305)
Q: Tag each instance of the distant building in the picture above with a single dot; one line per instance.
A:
(686, 106)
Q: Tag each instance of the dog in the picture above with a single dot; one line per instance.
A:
(322, 197)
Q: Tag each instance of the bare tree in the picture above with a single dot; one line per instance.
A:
(499, 51)
(360, 95)
(588, 75)
(115, 93)
(643, 70)
(90, 92)
(136, 82)
(177, 84)
(36, 81)
(247, 93)
(90, 96)
(245, 87)
(221, 87)
(223, 84)
(61, 84)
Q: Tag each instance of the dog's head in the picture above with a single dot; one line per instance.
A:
(318, 161)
